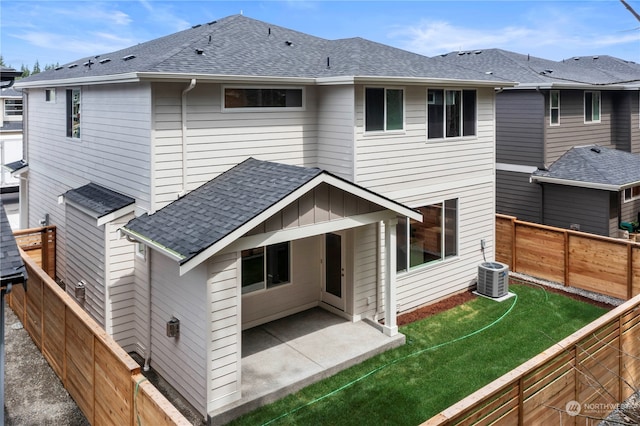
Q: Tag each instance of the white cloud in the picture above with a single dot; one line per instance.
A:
(97, 43)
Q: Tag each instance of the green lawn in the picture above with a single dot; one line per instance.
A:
(446, 357)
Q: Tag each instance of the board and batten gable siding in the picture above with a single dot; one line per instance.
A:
(566, 205)
(573, 131)
(182, 361)
(218, 140)
(520, 127)
(517, 196)
(224, 341)
(86, 261)
(121, 286)
(336, 111)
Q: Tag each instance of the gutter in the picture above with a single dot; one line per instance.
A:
(581, 184)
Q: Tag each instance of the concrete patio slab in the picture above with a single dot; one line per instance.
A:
(283, 356)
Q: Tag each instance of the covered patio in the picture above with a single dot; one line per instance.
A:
(283, 356)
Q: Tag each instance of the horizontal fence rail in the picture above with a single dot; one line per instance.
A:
(100, 376)
(40, 245)
(577, 381)
(591, 262)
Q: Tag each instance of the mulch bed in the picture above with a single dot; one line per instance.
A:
(461, 298)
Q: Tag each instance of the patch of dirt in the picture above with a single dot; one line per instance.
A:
(460, 298)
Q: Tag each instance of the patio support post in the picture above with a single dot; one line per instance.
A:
(390, 305)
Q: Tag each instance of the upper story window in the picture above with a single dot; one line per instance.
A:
(632, 193)
(554, 108)
(73, 113)
(265, 267)
(262, 98)
(384, 109)
(451, 113)
(433, 239)
(50, 95)
(591, 107)
(13, 107)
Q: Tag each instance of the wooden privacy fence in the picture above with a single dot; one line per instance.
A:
(40, 245)
(591, 262)
(100, 376)
(579, 379)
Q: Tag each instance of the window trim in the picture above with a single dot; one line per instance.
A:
(599, 96)
(254, 288)
(385, 114)
(50, 96)
(15, 102)
(632, 197)
(444, 114)
(224, 109)
(552, 108)
(443, 258)
(69, 113)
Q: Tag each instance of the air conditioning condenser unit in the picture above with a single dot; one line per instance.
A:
(493, 279)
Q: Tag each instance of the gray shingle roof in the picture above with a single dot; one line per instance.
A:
(595, 164)
(98, 200)
(12, 270)
(527, 69)
(10, 92)
(196, 221)
(241, 46)
(15, 165)
(11, 126)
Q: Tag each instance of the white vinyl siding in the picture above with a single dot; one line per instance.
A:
(224, 347)
(220, 140)
(85, 261)
(121, 289)
(336, 130)
(181, 361)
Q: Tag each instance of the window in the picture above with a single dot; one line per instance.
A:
(591, 107)
(632, 193)
(451, 113)
(13, 107)
(265, 267)
(238, 98)
(433, 239)
(50, 95)
(73, 113)
(384, 109)
(141, 250)
(554, 108)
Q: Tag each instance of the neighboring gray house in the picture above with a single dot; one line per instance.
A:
(554, 107)
(239, 172)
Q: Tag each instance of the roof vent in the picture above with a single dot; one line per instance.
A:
(596, 150)
(596, 57)
(73, 65)
(477, 52)
(88, 63)
(288, 43)
(488, 72)
(576, 58)
(212, 22)
(105, 60)
(548, 71)
(196, 26)
(58, 68)
(128, 57)
(200, 51)
(460, 53)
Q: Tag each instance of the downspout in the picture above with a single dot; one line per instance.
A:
(192, 84)
(147, 359)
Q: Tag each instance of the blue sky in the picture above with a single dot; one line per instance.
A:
(62, 31)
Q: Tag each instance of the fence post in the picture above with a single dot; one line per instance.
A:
(566, 258)
(629, 271)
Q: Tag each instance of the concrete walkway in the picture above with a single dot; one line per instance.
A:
(283, 356)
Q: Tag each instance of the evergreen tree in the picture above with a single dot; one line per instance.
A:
(25, 71)
(36, 68)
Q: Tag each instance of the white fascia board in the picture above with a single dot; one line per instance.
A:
(449, 82)
(567, 182)
(116, 214)
(80, 81)
(152, 244)
(20, 171)
(298, 193)
(568, 85)
(224, 78)
(629, 185)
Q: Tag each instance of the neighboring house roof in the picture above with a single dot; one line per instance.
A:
(617, 68)
(10, 92)
(16, 166)
(233, 203)
(243, 47)
(594, 167)
(8, 76)
(531, 71)
(99, 202)
(12, 270)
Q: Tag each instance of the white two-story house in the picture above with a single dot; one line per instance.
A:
(238, 172)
